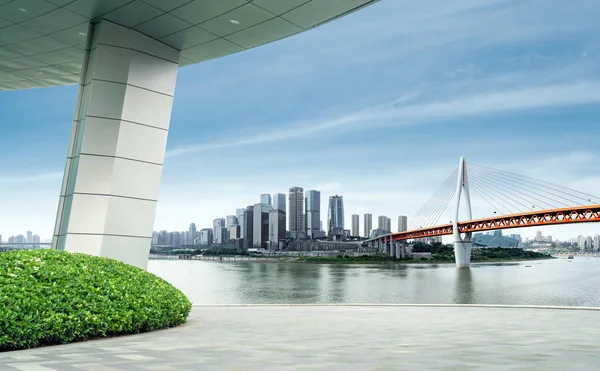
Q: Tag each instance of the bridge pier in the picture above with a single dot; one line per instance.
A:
(462, 253)
(462, 245)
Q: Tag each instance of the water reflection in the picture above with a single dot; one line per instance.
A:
(392, 270)
(555, 282)
(336, 285)
(463, 287)
(277, 283)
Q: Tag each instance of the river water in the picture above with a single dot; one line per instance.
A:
(548, 282)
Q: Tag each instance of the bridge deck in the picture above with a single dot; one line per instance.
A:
(569, 215)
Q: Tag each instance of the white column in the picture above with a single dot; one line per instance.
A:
(462, 246)
(114, 163)
(462, 254)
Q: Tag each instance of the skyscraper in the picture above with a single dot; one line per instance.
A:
(239, 213)
(206, 237)
(389, 224)
(248, 235)
(260, 235)
(279, 201)
(355, 225)
(312, 201)
(538, 236)
(335, 216)
(276, 228)
(231, 220)
(382, 223)
(29, 237)
(402, 223)
(296, 214)
(219, 231)
(265, 198)
(367, 224)
(581, 243)
(193, 236)
(234, 232)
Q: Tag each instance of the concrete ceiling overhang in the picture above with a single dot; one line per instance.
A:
(42, 42)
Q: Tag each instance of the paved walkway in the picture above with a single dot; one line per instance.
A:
(341, 338)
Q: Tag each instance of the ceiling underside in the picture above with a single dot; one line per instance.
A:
(42, 42)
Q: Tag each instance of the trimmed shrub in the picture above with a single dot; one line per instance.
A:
(56, 297)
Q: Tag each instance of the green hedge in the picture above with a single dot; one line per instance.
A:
(55, 297)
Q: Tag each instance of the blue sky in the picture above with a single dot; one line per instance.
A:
(377, 106)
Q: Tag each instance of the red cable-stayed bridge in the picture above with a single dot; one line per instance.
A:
(517, 201)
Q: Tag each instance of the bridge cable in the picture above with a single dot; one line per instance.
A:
(422, 220)
(542, 184)
(495, 184)
(427, 207)
(500, 196)
(525, 190)
(549, 185)
(501, 188)
(523, 184)
(492, 196)
(439, 210)
(428, 203)
(500, 191)
(438, 195)
(486, 198)
(434, 208)
(504, 183)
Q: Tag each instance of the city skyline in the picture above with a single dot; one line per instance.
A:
(394, 114)
(312, 197)
(278, 199)
(539, 238)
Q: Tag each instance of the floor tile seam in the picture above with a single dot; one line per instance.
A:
(376, 305)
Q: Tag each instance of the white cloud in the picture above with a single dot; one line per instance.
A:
(421, 40)
(15, 179)
(387, 114)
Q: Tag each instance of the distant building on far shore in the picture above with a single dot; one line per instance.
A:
(493, 239)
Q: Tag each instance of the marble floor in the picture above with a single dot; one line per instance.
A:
(341, 337)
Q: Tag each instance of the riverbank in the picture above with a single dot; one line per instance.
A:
(342, 260)
(363, 259)
(440, 255)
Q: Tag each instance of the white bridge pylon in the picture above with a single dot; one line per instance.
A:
(462, 244)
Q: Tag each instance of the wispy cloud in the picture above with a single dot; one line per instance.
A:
(28, 178)
(318, 110)
(296, 129)
(398, 113)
